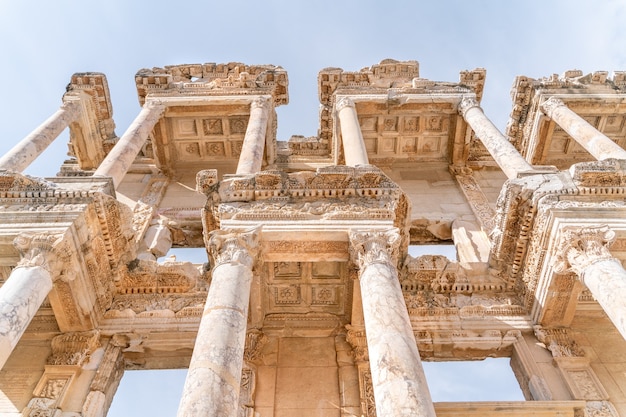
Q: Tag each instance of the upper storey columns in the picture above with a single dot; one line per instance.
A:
(594, 141)
(251, 157)
(506, 156)
(121, 157)
(398, 378)
(353, 144)
(25, 152)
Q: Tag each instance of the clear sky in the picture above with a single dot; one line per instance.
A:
(43, 42)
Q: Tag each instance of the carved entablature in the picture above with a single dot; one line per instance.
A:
(434, 286)
(514, 223)
(311, 146)
(596, 97)
(74, 348)
(559, 342)
(150, 277)
(212, 79)
(333, 193)
(600, 177)
(92, 136)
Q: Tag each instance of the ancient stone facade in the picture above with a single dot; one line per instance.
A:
(309, 303)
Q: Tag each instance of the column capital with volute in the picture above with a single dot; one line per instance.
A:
(369, 247)
(580, 247)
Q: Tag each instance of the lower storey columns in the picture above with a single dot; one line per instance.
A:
(27, 287)
(585, 251)
(353, 144)
(505, 154)
(398, 378)
(212, 384)
(590, 138)
(251, 157)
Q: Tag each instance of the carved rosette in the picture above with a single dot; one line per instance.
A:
(232, 247)
(370, 247)
(466, 104)
(580, 247)
(550, 105)
(48, 250)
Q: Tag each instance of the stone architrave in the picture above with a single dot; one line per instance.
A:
(585, 251)
(25, 152)
(251, 157)
(121, 157)
(398, 378)
(507, 157)
(353, 144)
(43, 257)
(590, 138)
(213, 382)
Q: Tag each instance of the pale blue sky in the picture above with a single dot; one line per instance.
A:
(43, 42)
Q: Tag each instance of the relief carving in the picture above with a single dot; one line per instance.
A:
(74, 348)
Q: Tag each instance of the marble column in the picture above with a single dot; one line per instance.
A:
(251, 157)
(506, 156)
(121, 157)
(213, 382)
(398, 379)
(25, 152)
(585, 250)
(28, 285)
(590, 138)
(353, 144)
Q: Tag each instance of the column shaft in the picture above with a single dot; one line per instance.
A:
(398, 379)
(606, 280)
(353, 144)
(25, 152)
(20, 298)
(251, 157)
(213, 382)
(505, 154)
(590, 138)
(121, 157)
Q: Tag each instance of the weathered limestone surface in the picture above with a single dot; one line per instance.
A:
(329, 312)
(212, 384)
(399, 382)
(505, 154)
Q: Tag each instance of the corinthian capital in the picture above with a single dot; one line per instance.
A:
(261, 102)
(234, 247)
(550, 105)
(369, 247)
(466, 104)
(343, 103)
(48, 250)
(580, 247)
